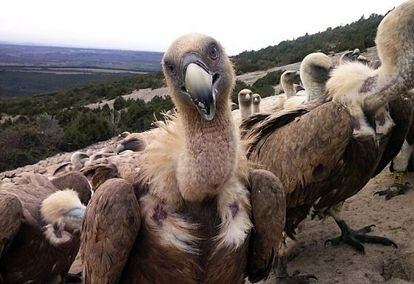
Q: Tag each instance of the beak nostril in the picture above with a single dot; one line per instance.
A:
(216, 76)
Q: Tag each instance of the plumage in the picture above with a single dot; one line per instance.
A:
(256, 103)
(315, 69)
(180, 208)
(77, 160)
(37, 218)
(245, 100)
(287, 81)
(327, 155)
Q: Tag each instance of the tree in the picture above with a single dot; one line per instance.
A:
(119, 103)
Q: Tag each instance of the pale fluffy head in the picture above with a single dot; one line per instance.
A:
(349, 56)
(256, 99)
(315, 68)
(287, 80)
(78, 159)
(56, 205)
(134, 142)
(245, 97)
(123, 134)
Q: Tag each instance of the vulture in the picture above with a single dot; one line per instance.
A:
(123, 135)
(188, 203)
(326, 151)
(287, 81)
(40, 222)
(256, 103)
(354, 55)
(133, 141)
(136, 142)
(245, 99)
(77, 161)
(350, 56)
(314, 73)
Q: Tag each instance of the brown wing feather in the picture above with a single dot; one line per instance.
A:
(268, 203)
(111, 224)
(76, 181)
(11, 215)
(306, 155)
(306, 150)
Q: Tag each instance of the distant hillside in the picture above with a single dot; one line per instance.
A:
(359, 34)
(31, 70)
(47, 56)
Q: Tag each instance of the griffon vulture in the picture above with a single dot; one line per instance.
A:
(40, 222)
(77, 161)
(186, 209)
(256, 103)
(326, 152)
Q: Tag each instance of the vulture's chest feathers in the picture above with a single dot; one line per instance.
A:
(200, 242)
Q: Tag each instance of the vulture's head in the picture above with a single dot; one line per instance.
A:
(78, 159)
(63, 214)
(123, 135)
(290, 77)
(315, 68)
(348, 56)
(256, 99)
(245, 97)
(132, 142)
(199, 74)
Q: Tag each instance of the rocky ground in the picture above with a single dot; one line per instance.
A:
(342, 264)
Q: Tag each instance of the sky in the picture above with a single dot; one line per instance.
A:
(153, 24)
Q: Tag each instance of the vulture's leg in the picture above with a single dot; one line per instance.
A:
(399, 165)
(282, 275)
(355, 238)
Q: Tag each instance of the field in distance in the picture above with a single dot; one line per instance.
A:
(29, 70)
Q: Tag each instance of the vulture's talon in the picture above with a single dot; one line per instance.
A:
(356, 238)
(366, 229)
(376, 240)
(394, 190)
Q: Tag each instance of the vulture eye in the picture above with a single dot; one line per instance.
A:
(170, 67)
(213, 51)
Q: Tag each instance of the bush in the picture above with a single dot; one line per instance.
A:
(87, 128)
(120, 103)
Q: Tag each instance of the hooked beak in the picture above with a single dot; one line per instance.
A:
(200, 87)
